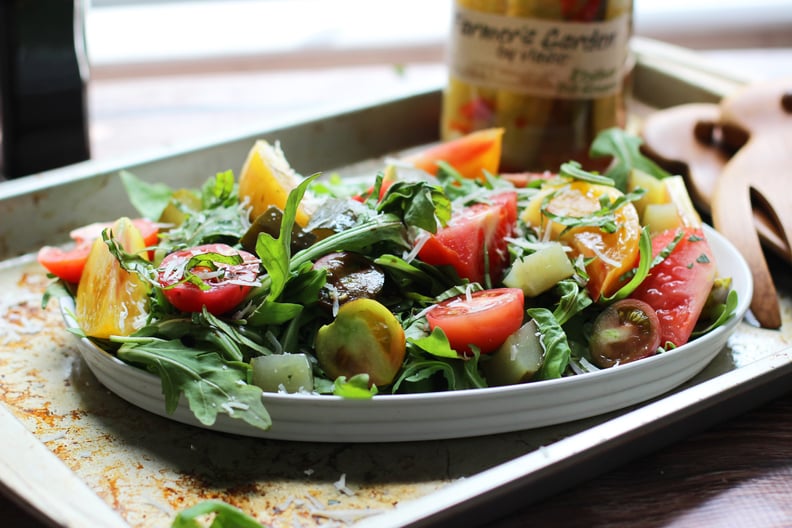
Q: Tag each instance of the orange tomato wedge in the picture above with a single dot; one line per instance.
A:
(611, 254)
(470, 155)
(110, 300)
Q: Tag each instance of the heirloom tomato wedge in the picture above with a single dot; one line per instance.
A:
(364, 338)
(111, 300)
(266, 179)
(678, 287)
(471, 155)
(474, 240)
(569, 209)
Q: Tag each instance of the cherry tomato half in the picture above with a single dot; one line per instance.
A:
(625, 331)
(224, 284)
(484, 318)
(68, 264)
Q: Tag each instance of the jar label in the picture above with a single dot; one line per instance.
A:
(554, 59)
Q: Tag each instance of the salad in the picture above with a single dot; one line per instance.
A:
(435, 274)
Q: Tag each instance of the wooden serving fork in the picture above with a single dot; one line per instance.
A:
(759, 173)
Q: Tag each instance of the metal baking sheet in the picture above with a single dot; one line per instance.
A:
(145, 468)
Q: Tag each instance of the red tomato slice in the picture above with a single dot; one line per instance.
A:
(678, 287)
(148, 229)
(461, 243)
(227, 286)
(65, 264)
(69, 264)
(484, 319)
(523, 179)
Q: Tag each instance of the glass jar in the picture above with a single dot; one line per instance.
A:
(551, 73)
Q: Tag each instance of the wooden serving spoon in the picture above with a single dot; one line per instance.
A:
(687, 140)
(759, 172)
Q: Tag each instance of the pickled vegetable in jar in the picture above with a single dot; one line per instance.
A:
(551, 73)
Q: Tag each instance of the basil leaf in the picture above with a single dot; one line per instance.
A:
(574, 299)
(554, 341)
(573, 169)
(418, 203)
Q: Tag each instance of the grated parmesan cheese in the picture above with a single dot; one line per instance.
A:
(341, 485)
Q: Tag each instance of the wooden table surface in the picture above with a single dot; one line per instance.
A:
(738, 473)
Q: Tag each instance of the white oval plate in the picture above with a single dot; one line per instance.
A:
(454, 414)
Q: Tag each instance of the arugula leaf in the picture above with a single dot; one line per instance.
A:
(275, 253)
(435, 344)
(304, 287)
(224, 222)
(56, 289)
(356, 387)
(210, 384)
(625, 148)
(722, 313)
(424, 369)
(271, 312)
(225, 516)
(133, 263)
(454, 184)
(640, 273)
(235, 334)
(150, 199)
(219, 191)
(472, 372)
(387, 228)
(417, 276)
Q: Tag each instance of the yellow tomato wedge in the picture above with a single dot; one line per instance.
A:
(611, 254)
(470, 155)
(267, 179)
(110, 300)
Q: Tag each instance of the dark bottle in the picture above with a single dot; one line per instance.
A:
(43, 82)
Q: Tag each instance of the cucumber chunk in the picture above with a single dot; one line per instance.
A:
(283, 372)
(517, 359)
(540, 271)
